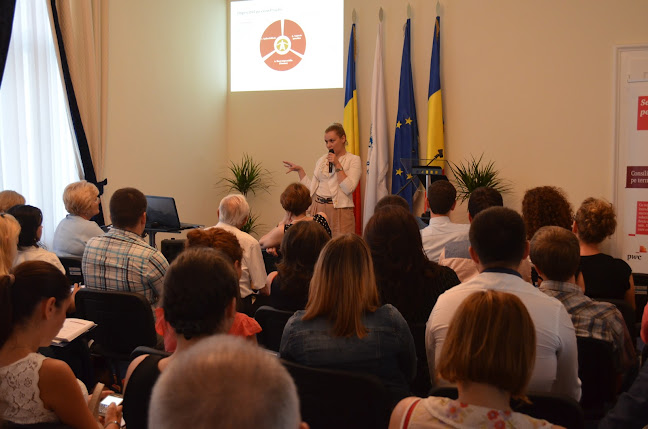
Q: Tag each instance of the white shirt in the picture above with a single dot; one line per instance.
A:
(440, 232)
(33, 253)
(556, 365)
(341, 193)
(252, 266)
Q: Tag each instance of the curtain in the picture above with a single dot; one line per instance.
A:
(7, 8)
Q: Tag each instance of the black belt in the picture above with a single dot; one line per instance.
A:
(322, 200)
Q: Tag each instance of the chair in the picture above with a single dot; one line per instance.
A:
(557, 409)
(72, 269)
(272, 322)
(597, 374)
(339, 399)
(421, 384)
(142, 350)
(627, 312)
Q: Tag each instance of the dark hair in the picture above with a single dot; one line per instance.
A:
(126, 207)
(483, 198)
(20, 292)
(198, 287)
(546, 206)
(392, 200)
(441, 196)
(556, 252)
(300, 247)
(30, 219)
(595, 220)
(295, 198)
(498, 237)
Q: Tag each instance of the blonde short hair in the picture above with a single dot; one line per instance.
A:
(8, 199)
(9, 232)
(78, 197)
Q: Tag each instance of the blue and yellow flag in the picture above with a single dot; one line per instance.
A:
(351, 123)
(435, 110)
(406, 138)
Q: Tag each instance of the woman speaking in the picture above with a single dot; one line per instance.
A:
(336, 176)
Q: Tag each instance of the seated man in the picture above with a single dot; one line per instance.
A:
(555, 252)
(497, 245)
(233, 213)
(240, 386)
(120, 259)
(442, 197)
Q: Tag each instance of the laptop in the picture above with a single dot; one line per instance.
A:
(162, 214)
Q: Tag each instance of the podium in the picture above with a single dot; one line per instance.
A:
(423, 170)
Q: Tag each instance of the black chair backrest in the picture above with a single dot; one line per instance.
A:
(72, 269)
(143, 350)
(272, 323)
(557, 409)
(124, 321)
(339, 399)
(597, 374)
(627, 312)
(421, 384)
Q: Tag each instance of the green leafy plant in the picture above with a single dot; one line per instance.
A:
(252, 224)
(247, 176)
(472, 174)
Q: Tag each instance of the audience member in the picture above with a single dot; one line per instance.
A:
(224, 382)
(546, 206)
(295, 200)
(36, 389)
(81, 200)
(498, 245)
(442, 197)
(31, 229)
(9, 232)
(631, 408)
(120, 259)
(405, 277)
(300, 248)
(8, 199)
(489, 353)
(555, 254)
(233, 213)
(397, 200)
(601, 275)
(200, 290)
(344, 327)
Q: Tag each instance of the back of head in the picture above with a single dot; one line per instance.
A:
(498, 237)
(78, 198)
(343, 287)
(555, 252)
(126, 207)
(30, 219)
(295, 198)
(441, 196)
(234, 210)
(216, 238)
(545, 206)
(392, 200)
(483, 198)
(9, 232)
(491, 340)
(595, 220)
(8, 199)
(222, 381)
(199, 286)
(20, 293)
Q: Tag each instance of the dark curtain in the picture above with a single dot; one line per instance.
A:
(7, 9)
(82, 141)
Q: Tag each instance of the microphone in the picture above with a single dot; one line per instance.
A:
(330, 163)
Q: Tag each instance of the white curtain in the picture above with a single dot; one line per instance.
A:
(38, 153)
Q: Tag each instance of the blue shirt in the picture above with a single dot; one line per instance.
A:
(72, 234)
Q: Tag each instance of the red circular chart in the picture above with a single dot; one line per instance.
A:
(283, 45)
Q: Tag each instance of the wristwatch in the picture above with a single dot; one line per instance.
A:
(339, 169)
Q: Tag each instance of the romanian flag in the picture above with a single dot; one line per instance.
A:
(351, 123)
(435, 111)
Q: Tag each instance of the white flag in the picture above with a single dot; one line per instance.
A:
(377, 157)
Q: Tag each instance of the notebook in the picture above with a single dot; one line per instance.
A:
(161, 213)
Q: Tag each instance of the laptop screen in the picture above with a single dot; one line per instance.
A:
(161, 212)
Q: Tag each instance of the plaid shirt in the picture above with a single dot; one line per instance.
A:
(594, 319)
(121, 260)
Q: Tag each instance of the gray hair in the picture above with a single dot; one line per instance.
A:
(78, 197)
(234, 210)
(223, 381)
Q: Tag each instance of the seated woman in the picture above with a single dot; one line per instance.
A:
(344, 326)
(36, 389)
(9, 232)
(8, 199)
(81, 200)
(600, 275)
(295, 200)
(216, 238)
(489, 353)
(199, 300)
(31, 229)
(300, 249)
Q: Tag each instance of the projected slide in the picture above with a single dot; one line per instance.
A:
(281, 45)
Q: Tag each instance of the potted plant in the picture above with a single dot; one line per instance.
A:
(472, 174)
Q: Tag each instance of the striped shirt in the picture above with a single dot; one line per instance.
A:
(122, 261)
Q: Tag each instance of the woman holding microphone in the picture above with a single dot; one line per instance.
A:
(336, 176)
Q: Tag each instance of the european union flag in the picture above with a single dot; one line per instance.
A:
(406, 139)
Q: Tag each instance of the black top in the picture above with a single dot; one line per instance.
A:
(605, 276)
(285, 300)
(317, 218)
(138, 393)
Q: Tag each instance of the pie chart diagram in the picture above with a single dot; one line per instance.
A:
(283, 45)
